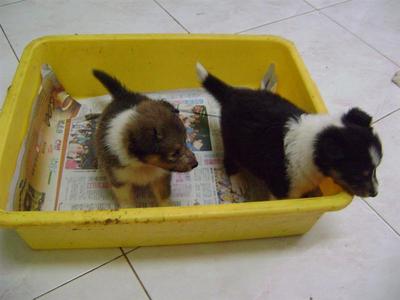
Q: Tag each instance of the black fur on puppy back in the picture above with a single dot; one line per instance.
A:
(116, 89)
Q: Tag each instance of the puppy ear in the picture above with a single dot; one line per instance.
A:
(358, 117)
(330, 146)
(143, 142)
(169, 106)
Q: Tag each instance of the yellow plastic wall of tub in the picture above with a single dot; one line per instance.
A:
(153, 63)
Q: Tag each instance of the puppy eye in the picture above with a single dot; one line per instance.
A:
(366, 174)
(358, 178)
(176, 153)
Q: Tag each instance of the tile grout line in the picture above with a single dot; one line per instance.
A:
(314, 9)
(135, 273)
(11, 3)
(134, 249)
(385, 116)
(309, 4)
(276, 21)
(79, 276)
(9, 43)
(320, 10)
(359, 38)
(176, 20)
(328, 6)
(380, 217)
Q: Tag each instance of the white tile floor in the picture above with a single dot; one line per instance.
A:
(351, 49)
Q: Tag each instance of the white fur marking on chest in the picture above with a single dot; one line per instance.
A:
(299, 151)
(115, 135)
(375, 157)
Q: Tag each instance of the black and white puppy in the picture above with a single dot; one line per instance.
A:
(290, 150)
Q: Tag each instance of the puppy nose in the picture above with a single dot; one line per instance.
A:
(373, 193)
(194, 164)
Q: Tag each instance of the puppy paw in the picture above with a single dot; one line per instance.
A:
(238, 184)
(164, 203)
(126, 205)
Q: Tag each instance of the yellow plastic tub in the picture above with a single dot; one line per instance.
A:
(153, 63)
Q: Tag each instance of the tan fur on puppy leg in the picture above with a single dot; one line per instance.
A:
(238, 183)
(162, 190)
(314, 193)
(124, 195)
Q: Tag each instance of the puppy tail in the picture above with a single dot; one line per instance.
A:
(116, 89)
(216, 87)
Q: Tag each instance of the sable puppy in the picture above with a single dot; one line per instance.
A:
(290, 150)
(139, 142)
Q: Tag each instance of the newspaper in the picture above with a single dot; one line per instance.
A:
(60, 171)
